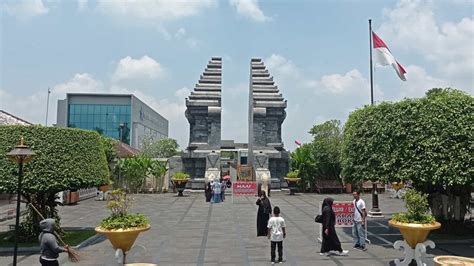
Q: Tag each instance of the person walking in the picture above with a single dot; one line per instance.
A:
(216, 190)
(276, 234)
(49, 247)
(223, 187)
(358, 231)
(208, 192)
(331, 243)
(263, 214)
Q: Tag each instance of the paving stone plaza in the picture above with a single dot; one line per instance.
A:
(189, 231)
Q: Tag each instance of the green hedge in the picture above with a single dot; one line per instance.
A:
(428, 140)
(66, 158)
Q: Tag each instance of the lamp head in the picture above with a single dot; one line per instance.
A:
(21, 153)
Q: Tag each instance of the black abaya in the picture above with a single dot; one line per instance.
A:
(263, 215)
(208, 192)
(330, 241)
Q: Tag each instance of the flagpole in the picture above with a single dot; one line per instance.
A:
(371, 66)
(375, 211)
(47, 107)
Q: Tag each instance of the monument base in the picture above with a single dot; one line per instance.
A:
(375, 214)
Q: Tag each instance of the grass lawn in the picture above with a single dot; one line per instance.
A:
(72, 238)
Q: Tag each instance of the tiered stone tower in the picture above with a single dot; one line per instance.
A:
(208, 157)
(203, 111)
(204, 108)
(266, 115)
(268, 107)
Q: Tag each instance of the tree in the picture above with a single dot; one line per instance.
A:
(66, 159)
(134, 169)
(108, 145)
(321, 158)
(327, 142)
(302, 160)
(428, 142)
(158, 170)
(162, 148)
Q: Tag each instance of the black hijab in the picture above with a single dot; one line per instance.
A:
(327, 202)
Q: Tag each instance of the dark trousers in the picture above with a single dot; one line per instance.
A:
(280, 250)
(48, 262)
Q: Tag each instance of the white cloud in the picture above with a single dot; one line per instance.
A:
(82, 5)
(81, 82)
(350, 82)
(182, 93)
(180, 33)
(420, 82)
(25, 9)
(250, 9)
(154, 10)
(282, 67)
(412, 26)
(143, 68)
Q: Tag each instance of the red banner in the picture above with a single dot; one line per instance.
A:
(244, 188)
(344, 211)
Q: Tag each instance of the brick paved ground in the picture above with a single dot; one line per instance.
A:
(189, 231)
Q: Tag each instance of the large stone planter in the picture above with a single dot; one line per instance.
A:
(414, 233)
(292, 184)
(122, 238)
(180, 185)
(453, 261)
(415, 243)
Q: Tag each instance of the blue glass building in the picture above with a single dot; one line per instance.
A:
(122, 117)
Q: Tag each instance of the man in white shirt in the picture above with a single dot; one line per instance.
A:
(358, 231)
(276, 233)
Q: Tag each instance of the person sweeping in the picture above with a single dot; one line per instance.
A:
(48, 244)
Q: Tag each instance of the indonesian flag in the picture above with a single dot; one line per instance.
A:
(383, 57)
(297, 142)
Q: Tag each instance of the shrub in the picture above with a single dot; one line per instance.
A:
(417, 209)
(292, 174)
(180, 176)
(66, 159)
(427, 142)
(119, 204)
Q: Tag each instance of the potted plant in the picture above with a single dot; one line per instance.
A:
(106, 185)
(179, 180)
(416, 223)
(397, 186)
(292, 179)
(122, 228)
(72, 196)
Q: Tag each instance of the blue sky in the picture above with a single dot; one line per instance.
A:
(317, 52)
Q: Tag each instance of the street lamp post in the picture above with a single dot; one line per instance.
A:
(20, 155)
(121, 131)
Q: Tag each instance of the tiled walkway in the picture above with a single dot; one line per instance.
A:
(189, 231)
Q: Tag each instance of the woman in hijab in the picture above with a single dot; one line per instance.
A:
(216, 190)
(208, 192)
(331, 243)
(263, 214)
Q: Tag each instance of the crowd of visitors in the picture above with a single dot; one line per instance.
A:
(215, 191)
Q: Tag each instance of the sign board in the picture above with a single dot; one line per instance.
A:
(344, 211)
(244, 188)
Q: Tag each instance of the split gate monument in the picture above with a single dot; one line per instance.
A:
(209, 157)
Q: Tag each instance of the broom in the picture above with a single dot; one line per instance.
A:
(71, 253)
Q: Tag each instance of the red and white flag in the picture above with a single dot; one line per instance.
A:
(383, 57)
